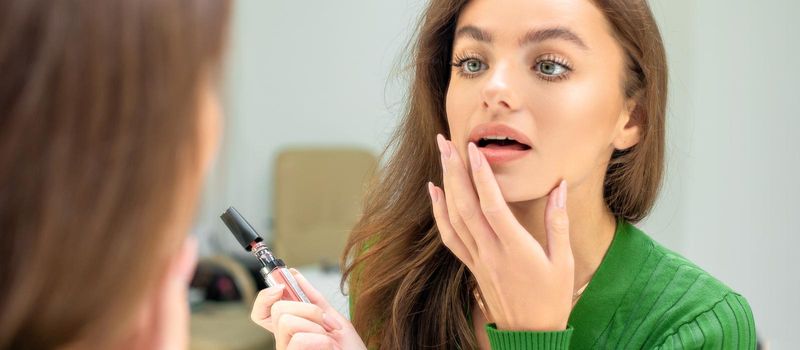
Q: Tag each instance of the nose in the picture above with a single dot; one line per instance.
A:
(498, 93)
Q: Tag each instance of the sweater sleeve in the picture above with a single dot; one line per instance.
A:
(728, 324)
(523, 340)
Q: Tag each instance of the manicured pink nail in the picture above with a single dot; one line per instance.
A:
(562, 195)
(474, 156)
(444, 148)
(433, 193)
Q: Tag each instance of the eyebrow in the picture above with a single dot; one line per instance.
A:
(474, 33)
(531, 37)
(539, 35)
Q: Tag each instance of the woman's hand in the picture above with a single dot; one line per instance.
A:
(298, 325)
(525, 286)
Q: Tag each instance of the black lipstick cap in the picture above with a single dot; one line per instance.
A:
(241, 229)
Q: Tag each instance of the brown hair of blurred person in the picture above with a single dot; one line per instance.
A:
(103, 145)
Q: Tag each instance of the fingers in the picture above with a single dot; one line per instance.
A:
(449, 237)
(312, 293)
(493, 205)
(307, 311)
(331, 318)
(288, 325)
(462, 203)
(263, 304)
(468, 220)
(313, 341)
(557, 226)
(453, 218)
(297, 325)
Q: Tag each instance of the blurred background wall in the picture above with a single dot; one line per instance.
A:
(324, 73)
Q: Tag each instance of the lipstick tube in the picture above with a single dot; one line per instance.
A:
(273, 270)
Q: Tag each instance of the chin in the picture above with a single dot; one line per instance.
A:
(516, 188)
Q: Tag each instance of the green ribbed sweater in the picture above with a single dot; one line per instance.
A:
(644, 296)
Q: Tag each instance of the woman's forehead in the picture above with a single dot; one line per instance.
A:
(512, 20)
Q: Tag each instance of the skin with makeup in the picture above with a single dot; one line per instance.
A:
(521, 99)
(536, 105)
(545, 93)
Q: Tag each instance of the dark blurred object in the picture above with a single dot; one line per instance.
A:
(216, 283)
(224, 279)
(252, 266)
(222, 320)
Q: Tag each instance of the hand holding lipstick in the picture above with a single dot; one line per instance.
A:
(299, 326)
(525, 286)
(291, 308)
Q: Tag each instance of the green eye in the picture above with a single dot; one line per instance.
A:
(469, 67)
(551, 68)
(473, 66)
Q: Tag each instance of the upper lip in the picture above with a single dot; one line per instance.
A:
(500, 130)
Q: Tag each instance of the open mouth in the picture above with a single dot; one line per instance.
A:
(501, 142)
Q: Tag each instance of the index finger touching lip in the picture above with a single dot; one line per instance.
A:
(492, 202)
(463, 202)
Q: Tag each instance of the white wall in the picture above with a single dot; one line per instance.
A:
(666, 223)
(730, 201)
(317, 74)
(741, 194)
(301, 73)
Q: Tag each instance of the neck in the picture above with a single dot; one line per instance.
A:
(592, 226)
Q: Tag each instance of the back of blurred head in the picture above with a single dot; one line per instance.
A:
(107, 123)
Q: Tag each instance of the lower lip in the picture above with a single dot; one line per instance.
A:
(502, 155)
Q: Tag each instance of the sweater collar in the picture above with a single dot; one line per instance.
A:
(602, 297)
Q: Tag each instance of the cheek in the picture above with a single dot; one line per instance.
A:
(580, 114)
(460, 104)
(576, 127)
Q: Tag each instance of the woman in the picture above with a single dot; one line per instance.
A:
(554, 111)
(108, 122)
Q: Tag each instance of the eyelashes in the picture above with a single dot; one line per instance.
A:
(468, 65)
(548, 67)
(551, 67)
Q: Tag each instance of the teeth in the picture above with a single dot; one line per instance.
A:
(497, 138)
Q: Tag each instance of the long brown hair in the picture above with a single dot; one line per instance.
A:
(410, 292)
(99, 103)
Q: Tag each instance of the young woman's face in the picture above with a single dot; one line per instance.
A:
(547, 74)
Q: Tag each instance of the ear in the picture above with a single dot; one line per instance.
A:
(628, 128)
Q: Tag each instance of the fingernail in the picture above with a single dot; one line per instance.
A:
(433, 193)
(562, 195)
(444, 148)
(276, 289)
(474, 156)
(330, 322)
(294, 271)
